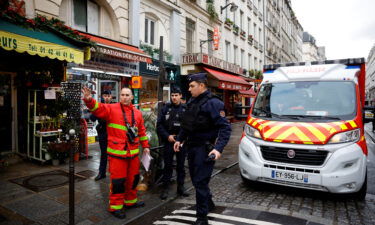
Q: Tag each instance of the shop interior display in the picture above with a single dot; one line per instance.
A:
(44, 122)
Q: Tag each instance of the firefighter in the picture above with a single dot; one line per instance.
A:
(168, 126)
(101, 128)
(125, 128)
(205, 131)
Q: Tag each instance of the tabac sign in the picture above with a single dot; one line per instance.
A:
(195, 58)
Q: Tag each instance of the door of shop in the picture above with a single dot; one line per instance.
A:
(6, 112)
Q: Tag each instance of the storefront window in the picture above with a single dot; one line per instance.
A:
(148, 92)
(112, 86)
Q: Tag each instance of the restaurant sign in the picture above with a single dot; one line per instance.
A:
(232, 86)
(195, 58)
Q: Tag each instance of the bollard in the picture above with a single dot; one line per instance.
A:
(71, 177)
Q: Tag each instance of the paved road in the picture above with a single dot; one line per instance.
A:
(253, 204)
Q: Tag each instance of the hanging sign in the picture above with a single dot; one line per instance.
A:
(137, 82)
(216, 38)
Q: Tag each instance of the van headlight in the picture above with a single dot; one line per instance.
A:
(252, 132)
(348, 136)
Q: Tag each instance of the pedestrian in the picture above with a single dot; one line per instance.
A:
(205, 131)
(101, 128)
(168, 126)
(125, 129)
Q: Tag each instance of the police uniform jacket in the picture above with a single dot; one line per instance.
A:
(118, 144)
(169, 120)
(212, 111)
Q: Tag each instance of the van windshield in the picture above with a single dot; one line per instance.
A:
(307, 100)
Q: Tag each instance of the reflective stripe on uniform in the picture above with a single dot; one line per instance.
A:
(95, 107)
(117, 126)
(131, 201)
(143, 138)
(116, 207)
(122, 152)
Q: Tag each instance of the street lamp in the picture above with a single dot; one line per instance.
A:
(233, 7)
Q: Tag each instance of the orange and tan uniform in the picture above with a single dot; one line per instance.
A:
(123, 155)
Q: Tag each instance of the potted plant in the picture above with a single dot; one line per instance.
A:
(235, 29)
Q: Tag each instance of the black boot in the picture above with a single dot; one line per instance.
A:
(136, 205)
(201, 221)
(211, 205)
(181, 190)
(119, 214)
(100, 176)
(164, 192)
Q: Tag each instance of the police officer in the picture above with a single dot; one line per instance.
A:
(168, 126)
(205, 132)
(102, 136)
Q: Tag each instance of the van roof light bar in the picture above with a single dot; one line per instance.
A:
(349, 61)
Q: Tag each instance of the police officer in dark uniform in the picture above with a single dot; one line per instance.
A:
(168, 126)
(204, 133)
(101, 128)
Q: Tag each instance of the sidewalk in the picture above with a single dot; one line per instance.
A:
(31, 193)
(369, 132)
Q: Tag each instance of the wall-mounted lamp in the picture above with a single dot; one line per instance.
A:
(233, 7)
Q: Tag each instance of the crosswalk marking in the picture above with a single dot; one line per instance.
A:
(169, 223)
(193, 219)
(233, 218)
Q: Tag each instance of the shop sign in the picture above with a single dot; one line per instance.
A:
(19, 43)
(137, 82)
(154, 69)
(216, 38)
(105, 76)
(231, 86)
(195, 58)
(122, 54)
(111, 64)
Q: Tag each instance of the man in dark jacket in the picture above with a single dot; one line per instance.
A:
(168, 126)
(101, 128)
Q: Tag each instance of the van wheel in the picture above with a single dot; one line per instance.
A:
(361, 194)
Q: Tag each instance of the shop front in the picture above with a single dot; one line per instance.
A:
(32, 67)
(148, 94)
(110, 68)
(223, 78)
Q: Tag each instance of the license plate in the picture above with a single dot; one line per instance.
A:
(288, 176)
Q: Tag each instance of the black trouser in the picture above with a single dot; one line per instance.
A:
(200, 173)
(168, 163)
(103, 154)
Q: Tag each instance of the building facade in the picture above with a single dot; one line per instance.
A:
(370, 77)
(311, 52)
(283, 33)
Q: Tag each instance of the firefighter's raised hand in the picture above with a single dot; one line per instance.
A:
(86, 93)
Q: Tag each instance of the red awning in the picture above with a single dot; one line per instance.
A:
(228, 81)
(248, 93)
(118, 49)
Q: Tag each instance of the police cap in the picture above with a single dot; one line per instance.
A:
(197, 77)
(176, 90)
(106, 92)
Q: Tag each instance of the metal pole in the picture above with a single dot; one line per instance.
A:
(161, 75)
(71, 177)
